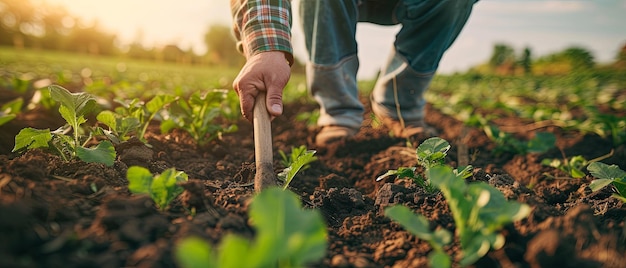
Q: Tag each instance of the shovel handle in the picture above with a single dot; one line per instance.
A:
(262, 144)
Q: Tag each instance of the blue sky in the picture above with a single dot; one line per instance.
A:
(546, 26)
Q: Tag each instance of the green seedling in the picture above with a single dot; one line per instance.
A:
(132, 111)
(506, 143)
(120, 128)
(309, 118)
(41, 98)
(608, 174)
(162, 188)
(431, 153)
(573, 166)
(286, 236)
(10, 110)
(611, 125)
(22, 83)
(418, 225)
(299, 159)
(479, 211)
(73, 108)
(199, 116)
(296, 152)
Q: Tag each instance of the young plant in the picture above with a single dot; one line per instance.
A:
(199, 116)
(132, 111)
(479, 211)
(299, 159)
(286, 236)
(573, 166)
(309, 118)
(418, 225)
(607, 125)
(120, 128)
(73, 108)
(162, 188)
(506, 143)
(431, 153)
(10, 110)
(608, 174)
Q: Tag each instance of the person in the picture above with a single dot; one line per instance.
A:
(263, 32)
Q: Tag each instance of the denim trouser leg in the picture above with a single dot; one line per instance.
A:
(428, 29)
(329, 29)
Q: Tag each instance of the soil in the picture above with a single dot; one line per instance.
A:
(72, 214)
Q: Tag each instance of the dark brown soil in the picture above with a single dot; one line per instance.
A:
(71, 214)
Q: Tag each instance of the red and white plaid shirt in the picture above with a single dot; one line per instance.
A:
(262, 25)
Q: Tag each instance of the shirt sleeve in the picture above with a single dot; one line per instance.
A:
(262, 25)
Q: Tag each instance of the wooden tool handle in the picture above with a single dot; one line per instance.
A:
(262, 131)
(262, 145)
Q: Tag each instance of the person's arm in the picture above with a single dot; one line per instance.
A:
(263, 32)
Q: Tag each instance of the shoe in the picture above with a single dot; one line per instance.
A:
(332, 134)
(410, 128)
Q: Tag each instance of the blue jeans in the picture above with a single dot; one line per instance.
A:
(428, 29)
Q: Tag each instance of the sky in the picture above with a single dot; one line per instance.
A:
(545, 26)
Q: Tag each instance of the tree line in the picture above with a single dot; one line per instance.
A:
(505, 61)
(40, 25)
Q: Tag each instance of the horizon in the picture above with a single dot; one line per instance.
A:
(545, 26)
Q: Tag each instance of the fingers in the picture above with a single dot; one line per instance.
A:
(274, 101)
(268, 72)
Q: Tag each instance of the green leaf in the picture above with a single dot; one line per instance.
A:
(139, 180)
(432, 150)
(301, 160)
(403, 172)
(165, 187)
(108, 118)
(104, 153)
(71, 117)
(598, 184)
(603, 171)
(193, 252)
(9, 110)
(120, 126)
(441, 237)
(438, 259)
(542, 142)
(127, 124)
(476, 248)
(81, 103)
(479, 211)
(12, 107)
(620, 186)
(464, 172)
(233, 248)
(31, 138)
(576, 173)
(606, 175)
(416, 224)
(286, 231)
(5, 118)
(168, 125)
(159, 102)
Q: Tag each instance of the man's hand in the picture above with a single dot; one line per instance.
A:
(266, 71)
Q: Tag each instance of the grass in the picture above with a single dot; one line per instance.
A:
(119, 77)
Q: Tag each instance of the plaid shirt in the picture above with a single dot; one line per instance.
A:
(262, 25)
